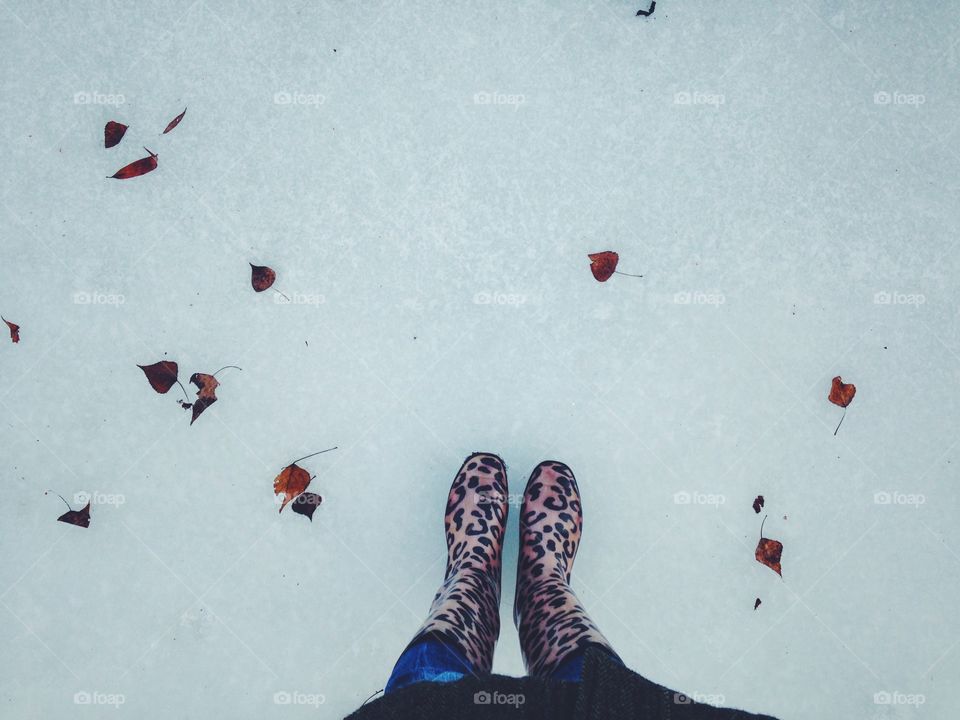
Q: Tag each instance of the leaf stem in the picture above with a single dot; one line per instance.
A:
(627, 274)
(225, 367)
(841, 421)
(61, 497)
(311, 455)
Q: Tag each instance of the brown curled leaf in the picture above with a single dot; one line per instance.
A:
(80, 518)
(14, 330)
(758, 504)
(173, 123)
(206, 393)
(113, 133)
(603, 264)
(137, 168)
(291, 481)
(161, 375)
(306, 504)
(841, 393)
(261, 277)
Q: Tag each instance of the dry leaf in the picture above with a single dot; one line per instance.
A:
(206, 394)
(161, 375)
(261, 277)
(113, 133)
(291, 481)
(14, 330)
(306, 504)
(173, 123)
(81, 517)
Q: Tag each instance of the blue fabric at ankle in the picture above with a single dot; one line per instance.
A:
(429, 660)
(571, 669)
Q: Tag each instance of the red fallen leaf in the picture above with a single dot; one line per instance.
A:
(261, 277)
(80, 518)
(206, 394)
(292, 481)
(307, 504)
(113, 133)
(173, 123)
(604, 264)
(14, 330)
(768, 552)
(756, 603)
(757, 504)
(161, 375)
(137, 168)
(841, 394)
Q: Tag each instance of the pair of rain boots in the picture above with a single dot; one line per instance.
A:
(465, 614)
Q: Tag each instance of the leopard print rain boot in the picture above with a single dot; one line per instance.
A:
(551, 621)
(466, 609)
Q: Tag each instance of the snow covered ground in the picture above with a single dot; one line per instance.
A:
(427, 180)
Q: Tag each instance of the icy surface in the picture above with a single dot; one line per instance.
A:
(427, 179)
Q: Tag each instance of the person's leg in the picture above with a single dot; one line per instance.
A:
(555, 630)
(461, 630)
